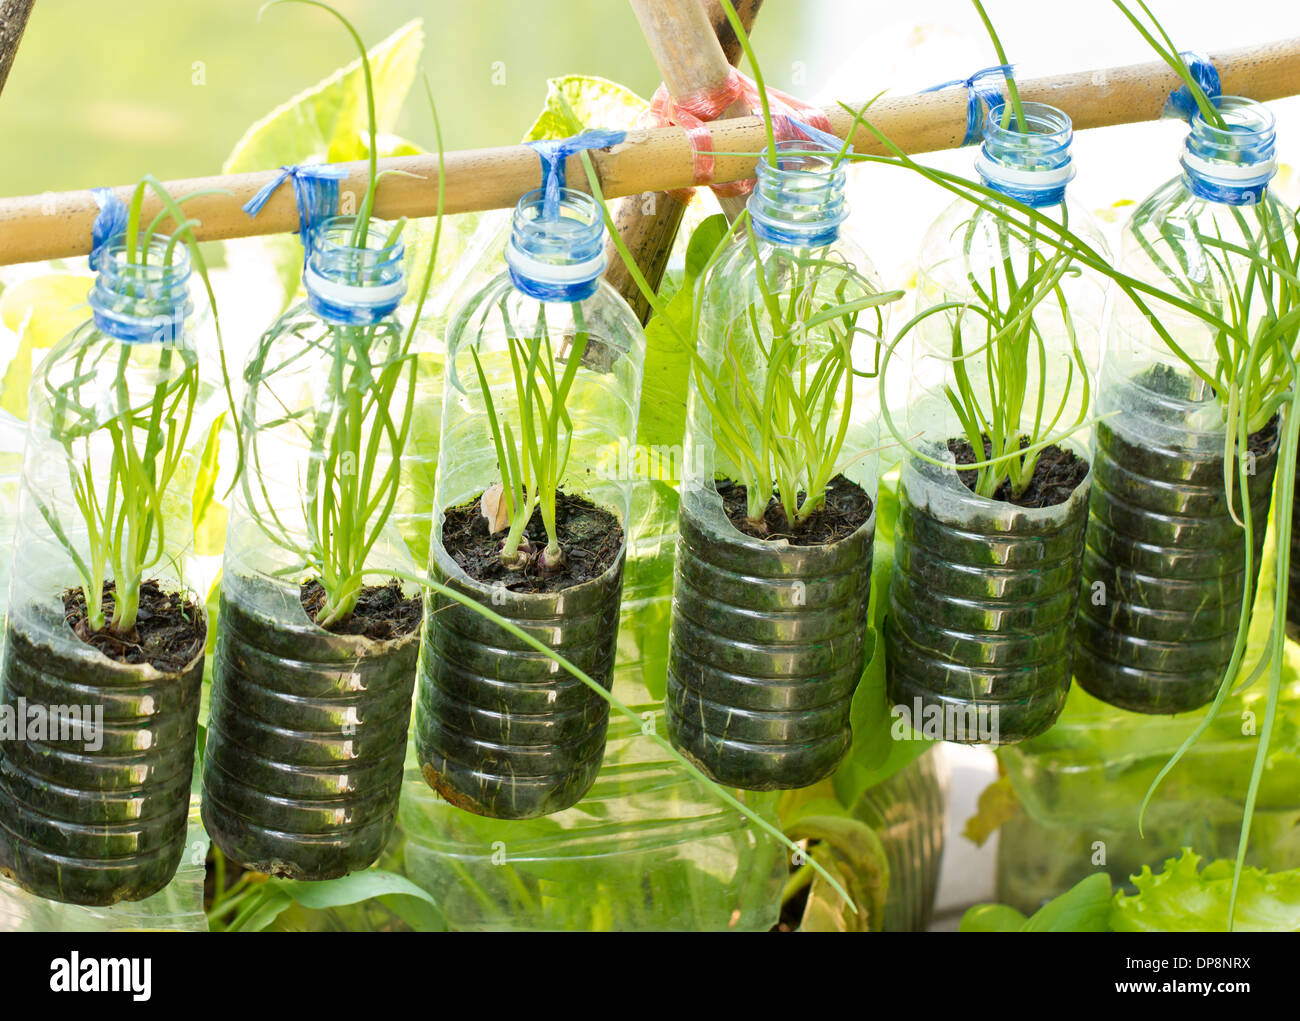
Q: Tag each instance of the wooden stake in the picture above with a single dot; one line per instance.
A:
(648, 223)
(51, 226)
(13, 19)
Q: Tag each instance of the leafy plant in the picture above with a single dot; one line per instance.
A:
(1182, 897)
(359, 432)
(532, 463)
(1005, 415)
(143, 435)
(1254, 374)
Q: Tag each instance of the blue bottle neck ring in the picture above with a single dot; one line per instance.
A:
(352, 284)
(143, 302)
(799, 202)
(1027, 161)
(560, 258)
(1235, 163)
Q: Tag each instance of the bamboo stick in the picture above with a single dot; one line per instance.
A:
(685, 38)
(50, 226)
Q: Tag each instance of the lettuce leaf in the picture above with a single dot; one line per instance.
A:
(1184, 898)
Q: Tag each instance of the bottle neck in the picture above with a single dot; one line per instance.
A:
(1232, 164)
(799, 202)
(142, 302)
(1027, 160)
(560, 258)
(350, 283)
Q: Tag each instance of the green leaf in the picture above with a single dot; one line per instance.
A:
(854, 854)
(1085, 907)
(209, 517)
(992, 918)
(998, 802)
(1182, 899)
(577, 102)
(328, 122)
(351, 889)
(41, 311)
(264, 910)
(662, 421)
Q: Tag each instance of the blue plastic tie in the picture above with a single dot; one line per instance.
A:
(109, 223)
(832, 143)
(1181, 102)
(553, 153)
(105, 303)
(979, 97)
(316, 190)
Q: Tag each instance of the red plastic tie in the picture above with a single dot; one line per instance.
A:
(693, 112)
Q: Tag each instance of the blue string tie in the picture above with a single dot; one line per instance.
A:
(315, 189)
(980, 97)
(1181, 102)
(558, 258)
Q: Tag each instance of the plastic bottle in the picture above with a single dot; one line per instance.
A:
(310, 711)
(97, 814)
(767, 641)
(984, 590)
(500, 729)
(1164, 570)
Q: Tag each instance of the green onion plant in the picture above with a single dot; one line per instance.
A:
(123, 502)
(359, 428)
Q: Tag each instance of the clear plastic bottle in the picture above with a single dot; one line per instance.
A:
(500, 730)
(984, 592)
(315, 658)
(768, 629)
(93, 807)
(1165, 557)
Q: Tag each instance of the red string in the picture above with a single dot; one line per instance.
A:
(693, 111)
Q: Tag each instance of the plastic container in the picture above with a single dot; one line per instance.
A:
(177, 907)
(647, 849)
(984, 591)
(982, 606)
(500, 729)
(1164, 573)
(93, 804)
(767, 649)
(308, 725)
(907, 813)
(1081, 786)
(767, 639)
(1165, 563)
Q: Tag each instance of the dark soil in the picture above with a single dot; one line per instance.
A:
(169, 628)
(590, 538)
(1056, 475)
(383, 612)
(1262, 440)
(1165, 379)
(847, 507)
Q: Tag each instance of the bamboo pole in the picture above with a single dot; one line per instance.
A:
(13, 20)
(685, 37)
(51, 226)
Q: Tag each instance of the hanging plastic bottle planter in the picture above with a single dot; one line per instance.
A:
(777, 510)
(104, 644)
(1165, 569)
(986, 571)
(315, 659)
(542, 389)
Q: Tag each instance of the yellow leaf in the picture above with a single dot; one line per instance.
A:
(41, 311)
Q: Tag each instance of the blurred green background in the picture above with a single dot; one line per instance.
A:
(105, 90)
